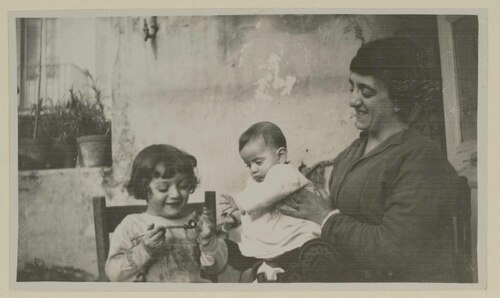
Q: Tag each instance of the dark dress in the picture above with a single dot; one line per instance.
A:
(395, 202)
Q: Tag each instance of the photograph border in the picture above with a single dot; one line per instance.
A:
(91, 286)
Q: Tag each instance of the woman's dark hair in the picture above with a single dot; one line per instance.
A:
(399, 64)
(270, 132)
(157, 161)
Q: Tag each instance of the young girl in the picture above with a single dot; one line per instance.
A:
(143, 247)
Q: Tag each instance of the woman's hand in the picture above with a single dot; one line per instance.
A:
(307, 205)
(153, 239)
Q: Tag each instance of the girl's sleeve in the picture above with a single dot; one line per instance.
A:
(280, 182)
(214, 255)
(127, 260)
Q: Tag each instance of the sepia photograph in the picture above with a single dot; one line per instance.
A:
(248, 148)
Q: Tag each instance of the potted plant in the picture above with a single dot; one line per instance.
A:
(60, 129)
(46, 140)
(53, 135)
(91, 127)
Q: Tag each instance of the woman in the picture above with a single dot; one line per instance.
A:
(392, 189)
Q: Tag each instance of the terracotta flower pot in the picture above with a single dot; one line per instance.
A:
(94, 151)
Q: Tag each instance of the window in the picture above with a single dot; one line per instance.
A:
(40, 75)
(59, 101)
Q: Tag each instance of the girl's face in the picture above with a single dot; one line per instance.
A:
(168, 197)
(370, 100)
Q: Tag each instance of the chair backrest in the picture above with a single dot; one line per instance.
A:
(106, 219)
(462, 233)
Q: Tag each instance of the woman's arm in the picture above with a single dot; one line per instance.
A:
(307, 205)
(315, 207)
(416, 197)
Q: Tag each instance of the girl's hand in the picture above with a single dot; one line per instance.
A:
(228, 205)
(205, 226)
(153, 239)
(307, 205)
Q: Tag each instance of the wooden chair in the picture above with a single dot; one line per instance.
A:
(462, 234)
(107, 218)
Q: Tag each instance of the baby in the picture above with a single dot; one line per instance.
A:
(143, 247)
(267, 234)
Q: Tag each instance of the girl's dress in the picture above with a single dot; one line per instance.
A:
(180, 259)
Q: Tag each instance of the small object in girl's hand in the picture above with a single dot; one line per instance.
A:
(191, 224)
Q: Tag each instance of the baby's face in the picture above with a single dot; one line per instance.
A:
(259, 158)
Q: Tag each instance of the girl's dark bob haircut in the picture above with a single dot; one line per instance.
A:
(399, 64)
(157, 161)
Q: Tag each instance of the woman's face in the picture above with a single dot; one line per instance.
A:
(168, 197)
(370, 100)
